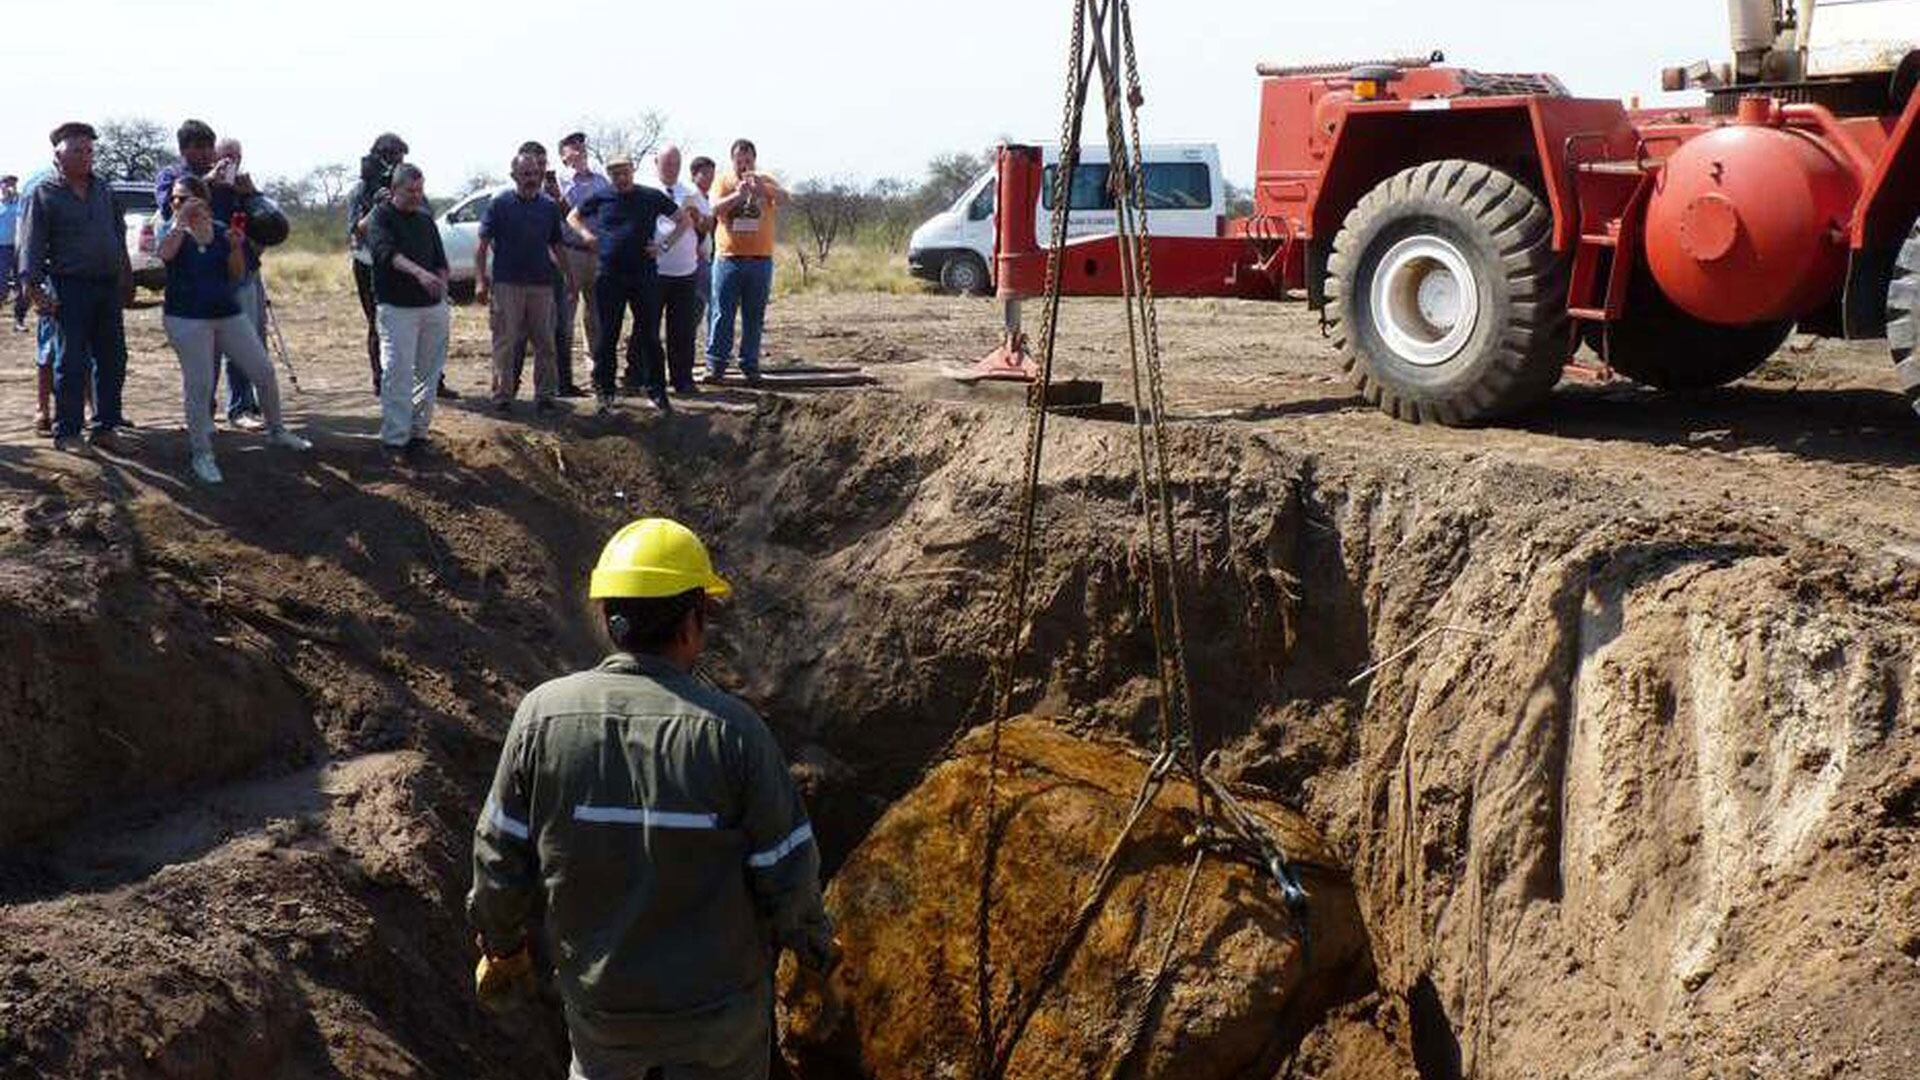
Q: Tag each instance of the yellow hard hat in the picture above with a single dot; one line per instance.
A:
(653, 558)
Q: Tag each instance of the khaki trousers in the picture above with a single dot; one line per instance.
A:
(520, 315)
(578, 267)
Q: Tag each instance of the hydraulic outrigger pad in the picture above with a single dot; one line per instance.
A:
(1010, 362)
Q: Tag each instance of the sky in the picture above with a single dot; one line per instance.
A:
(860, 89)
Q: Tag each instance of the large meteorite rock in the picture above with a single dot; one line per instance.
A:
(1243, 990)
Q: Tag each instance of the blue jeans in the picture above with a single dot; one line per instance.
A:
(241, 397)
(90, 342)
(743, 285)
(703, 284)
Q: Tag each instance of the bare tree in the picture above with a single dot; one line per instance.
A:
(830, 210)
(322, 190)
(330, 183)
(293, 196)
(133, 148)
(895, 209)
(635, 136)
(950, 174)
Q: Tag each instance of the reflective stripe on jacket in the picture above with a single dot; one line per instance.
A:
(651, 820)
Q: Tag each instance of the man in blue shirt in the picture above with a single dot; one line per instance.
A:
(9, 257)
(74, 257)
(622, 222)
(522, 232)
(44, 335)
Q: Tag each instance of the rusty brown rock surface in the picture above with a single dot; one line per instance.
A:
(1243, 990)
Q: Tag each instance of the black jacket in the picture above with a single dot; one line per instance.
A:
(394, 232)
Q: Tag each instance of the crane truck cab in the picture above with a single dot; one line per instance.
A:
(1186, 196)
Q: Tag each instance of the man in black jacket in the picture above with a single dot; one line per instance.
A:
(374, 188)
(409, 272)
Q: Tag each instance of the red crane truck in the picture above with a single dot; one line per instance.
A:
(1461, 233)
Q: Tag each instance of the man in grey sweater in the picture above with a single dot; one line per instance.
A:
(73, 257)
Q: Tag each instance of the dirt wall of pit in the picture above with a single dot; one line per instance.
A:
(1638, 760)
(1662, 756)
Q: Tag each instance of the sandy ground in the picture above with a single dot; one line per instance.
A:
(1699, 618)
(1819, 436)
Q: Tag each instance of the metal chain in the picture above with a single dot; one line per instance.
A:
(1157, 392)
(1021, 1010)
(1014, 593)
(1143, 1013)
(1178, 731)
(1129, 236)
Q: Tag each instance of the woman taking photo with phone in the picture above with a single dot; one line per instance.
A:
(205, 260)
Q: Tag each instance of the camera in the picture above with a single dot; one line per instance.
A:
(376, 176)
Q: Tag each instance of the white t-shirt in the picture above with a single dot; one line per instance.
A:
(683, 257)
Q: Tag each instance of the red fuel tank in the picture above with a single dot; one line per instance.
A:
(1748, 222)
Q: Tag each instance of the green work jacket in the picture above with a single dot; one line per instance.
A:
(650, 820)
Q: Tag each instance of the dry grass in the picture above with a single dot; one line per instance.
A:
(851, 268)
(294, 272)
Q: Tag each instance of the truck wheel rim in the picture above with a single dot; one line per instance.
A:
(964, 277)
(1425, 300)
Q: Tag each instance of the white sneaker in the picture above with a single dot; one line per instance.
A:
(249, 422)
(205, 468)
(287, 440)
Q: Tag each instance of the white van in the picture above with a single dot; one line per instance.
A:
(1186, 196)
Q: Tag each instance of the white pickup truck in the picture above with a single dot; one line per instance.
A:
(137, 209)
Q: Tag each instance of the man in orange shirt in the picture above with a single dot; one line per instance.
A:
(746, 204)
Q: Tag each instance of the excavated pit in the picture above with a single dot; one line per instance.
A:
(1636, 797)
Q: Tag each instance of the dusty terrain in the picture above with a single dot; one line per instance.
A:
(1650, 808)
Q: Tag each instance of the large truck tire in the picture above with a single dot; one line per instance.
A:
(1903, 317)
(1656, 343)
(1445, 297)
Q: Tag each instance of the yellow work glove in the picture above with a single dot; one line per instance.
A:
(505, 982)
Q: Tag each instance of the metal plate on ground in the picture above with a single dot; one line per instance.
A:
(1061, 393)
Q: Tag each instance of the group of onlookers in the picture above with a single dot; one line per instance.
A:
(74, 271)
(596, 247)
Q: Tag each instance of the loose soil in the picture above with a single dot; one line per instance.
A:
(1637, 792)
